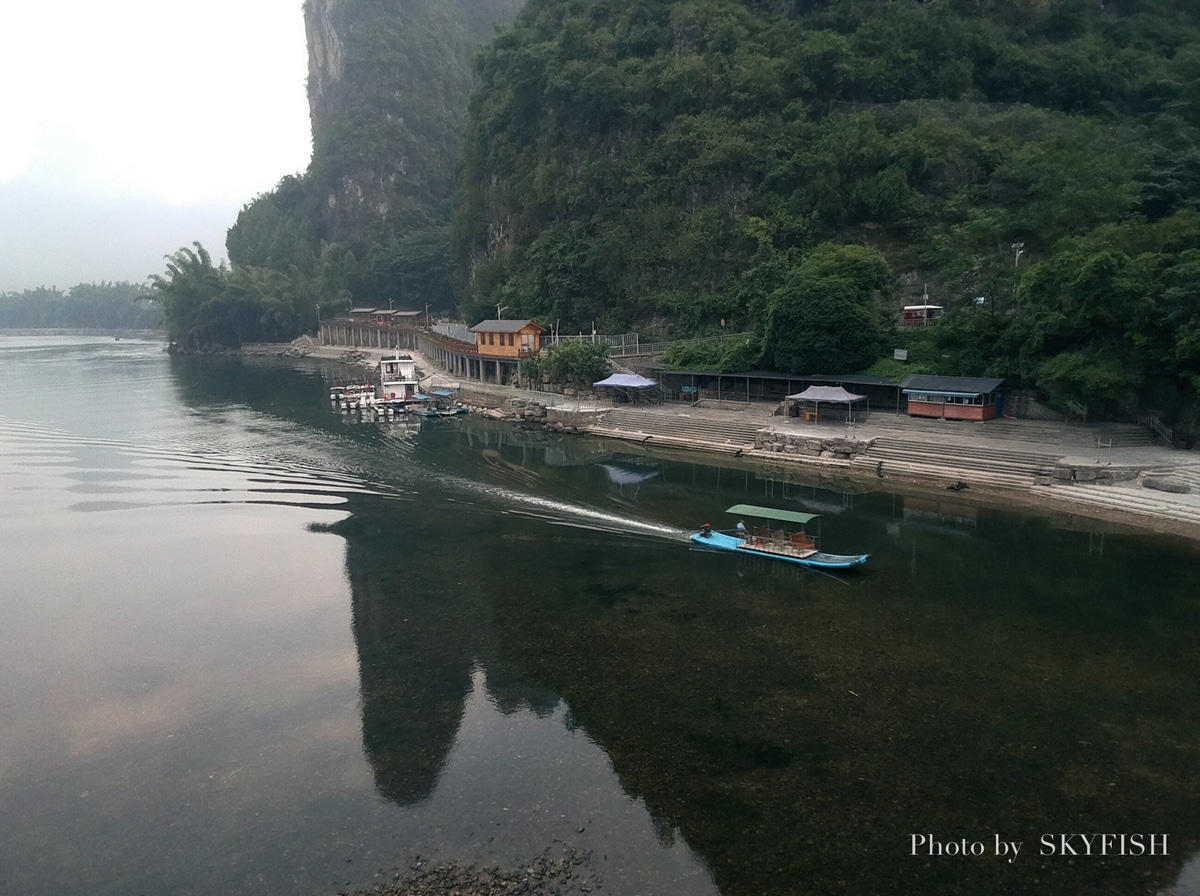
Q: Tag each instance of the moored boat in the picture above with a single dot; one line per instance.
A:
(397, 381)
(772, 541)
(352, 396)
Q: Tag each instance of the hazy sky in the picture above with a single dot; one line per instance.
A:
(129, 128)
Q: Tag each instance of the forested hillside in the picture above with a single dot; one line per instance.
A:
(369, 221)
(798, 170)
(801, 168)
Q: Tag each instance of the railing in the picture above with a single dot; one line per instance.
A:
(658, 348)
(618, 343)
(457, 332)
(1155, 425)
(625, 345)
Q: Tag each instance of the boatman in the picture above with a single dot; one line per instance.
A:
(741, 531)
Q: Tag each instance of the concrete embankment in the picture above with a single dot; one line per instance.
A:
(1113, 472)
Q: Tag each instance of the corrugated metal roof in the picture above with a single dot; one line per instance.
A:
(852, 379)
(972, 385)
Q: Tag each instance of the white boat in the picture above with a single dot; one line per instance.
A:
(397, 382)
(352, 396)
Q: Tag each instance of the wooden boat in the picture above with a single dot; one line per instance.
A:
(437, 405)
(791, 546)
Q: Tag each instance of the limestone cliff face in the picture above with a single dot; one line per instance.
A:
(325, 64)
(387, 87)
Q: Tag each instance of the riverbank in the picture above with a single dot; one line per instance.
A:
(1098, 472)
(561, 870)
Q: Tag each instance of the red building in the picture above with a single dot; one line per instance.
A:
(953, 397)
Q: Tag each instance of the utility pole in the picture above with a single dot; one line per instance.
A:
(1018, 251)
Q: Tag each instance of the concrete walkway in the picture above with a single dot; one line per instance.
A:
(1104, 470)
(1111, 471)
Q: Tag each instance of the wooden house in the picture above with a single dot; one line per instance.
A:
(509, 339)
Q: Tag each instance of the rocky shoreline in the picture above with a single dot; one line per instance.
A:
(558, 871)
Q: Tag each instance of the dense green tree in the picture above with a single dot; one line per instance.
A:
(576, 363)
(830, 312)
(191, 286)
(277, 230)
(207, 306)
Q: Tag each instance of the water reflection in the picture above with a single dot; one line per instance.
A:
(519, 777)
(503, 646)
(798, 731)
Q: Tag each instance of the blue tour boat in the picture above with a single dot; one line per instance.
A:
(795, 546)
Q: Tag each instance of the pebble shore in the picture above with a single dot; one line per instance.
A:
(558, 871)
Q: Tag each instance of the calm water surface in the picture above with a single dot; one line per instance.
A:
(249, 646)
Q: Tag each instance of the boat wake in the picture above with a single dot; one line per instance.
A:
(241, 465)
(564, 513)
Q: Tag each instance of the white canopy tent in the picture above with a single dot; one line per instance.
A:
(627, 381)
(830, 395)
(629, 386)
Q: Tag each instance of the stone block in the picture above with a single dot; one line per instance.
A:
(1165, 484)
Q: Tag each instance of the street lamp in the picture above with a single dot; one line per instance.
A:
(499, 309)
(1018, 251)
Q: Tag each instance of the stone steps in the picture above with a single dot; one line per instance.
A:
(994, 477)
(1190, 475)
(1131, 500)
(999, 467)
(1038, 434)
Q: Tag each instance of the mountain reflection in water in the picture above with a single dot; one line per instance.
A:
(251, 647)
(515, 779)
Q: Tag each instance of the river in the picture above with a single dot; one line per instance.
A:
(249, 645)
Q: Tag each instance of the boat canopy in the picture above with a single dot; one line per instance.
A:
(770, 513)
